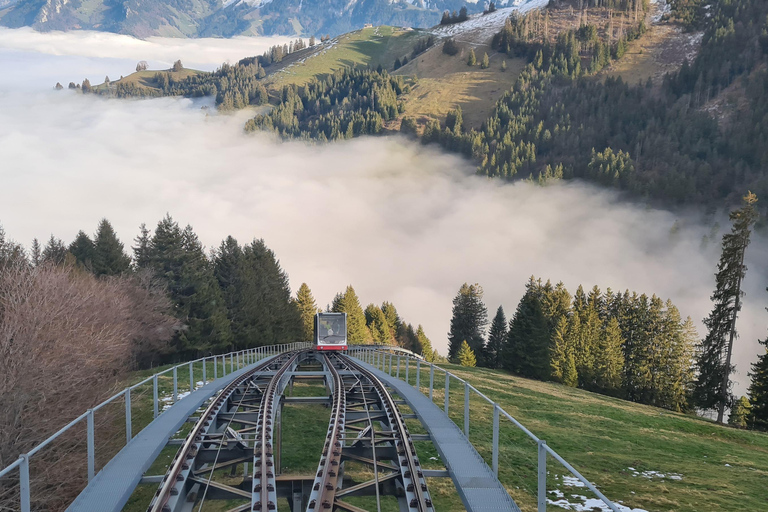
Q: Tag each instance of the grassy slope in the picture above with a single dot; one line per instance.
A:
(146, 79)
(603, 437)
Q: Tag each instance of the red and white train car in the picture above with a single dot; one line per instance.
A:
(331, 331)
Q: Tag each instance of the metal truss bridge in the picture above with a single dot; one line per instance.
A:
(231, 457)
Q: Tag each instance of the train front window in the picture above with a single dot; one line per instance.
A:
(332, 330)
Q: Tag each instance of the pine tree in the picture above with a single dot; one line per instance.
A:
(393, 320)
(82, 248)
(465, 356)
(36, 255)
(485, 63)
(713, 363)
(357, 332)
(587, 337)
(307, 308)
(562, 362)
(109, 258)
(740, 413)
(527, 351)
(468, 321)
(471, 60)
(177, 258)
(609, 362)
(758, 391)
(496, 337)
(426, 345)
(141, 251)
(377, 324)
(55, 251)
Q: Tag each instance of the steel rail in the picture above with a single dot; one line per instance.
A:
(404, 445)
(181, 463)
(264, 495)
(324, 488)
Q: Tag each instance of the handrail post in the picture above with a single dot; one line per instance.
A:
(231, 363)
(407, 368)
(466, 410)
(496, 440)
(175, 385)
(418, 374)
(91, 447)
(390, 364)
(24, 490)
(205, 363)
(542, 494)
(154, 396)
(398, 366)
(191, 377)
(128, 425)
(215, 367)
(431, 379)
(447, 389)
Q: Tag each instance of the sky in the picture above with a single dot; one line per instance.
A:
(399, 221)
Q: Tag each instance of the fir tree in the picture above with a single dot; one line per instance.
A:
(471, 60)
(109, 258)
(55, 251)
(393, 320)
(468, 321)
(609, 362)
(485, 63)
(177, 258)
(465, 356)
(36, 255)
(526, 351)
(758, 391)
(377, 324)
(712, 388)
(426, 345)
(357, 332)
(740, 413)
(82, 248)
(562, 362)
(496, 337)
(307, 306)
(141, 249)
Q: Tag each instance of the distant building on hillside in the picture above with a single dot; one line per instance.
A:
(368, 25)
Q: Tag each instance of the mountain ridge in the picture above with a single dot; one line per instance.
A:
(227, 18)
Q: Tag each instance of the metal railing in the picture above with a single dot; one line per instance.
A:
(384, 360)
(236, 361)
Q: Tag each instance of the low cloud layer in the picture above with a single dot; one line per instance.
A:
(399, 221)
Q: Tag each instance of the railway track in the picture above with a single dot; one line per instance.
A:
(238, 429)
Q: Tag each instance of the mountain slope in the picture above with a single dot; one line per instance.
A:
(196, 18)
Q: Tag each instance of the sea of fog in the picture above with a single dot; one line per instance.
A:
(399, 221)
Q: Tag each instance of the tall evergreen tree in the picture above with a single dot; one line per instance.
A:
(357, 331)
(82, 248)
(496, 337)
(609, 361)
(177, 258)
(712, 388)
(109, 258)
(587, 338)
(36, 253)
(527, 351)
(55, 251)
(426, 346)
(141, 251)
(307, 310)
(562, 362)
(466, 357)
(758, 391)
(468, 321)
(393, 320)
(377, 324)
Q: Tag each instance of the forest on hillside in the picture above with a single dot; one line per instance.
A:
(624, 344)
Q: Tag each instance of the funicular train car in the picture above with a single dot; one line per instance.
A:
(331, 331)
